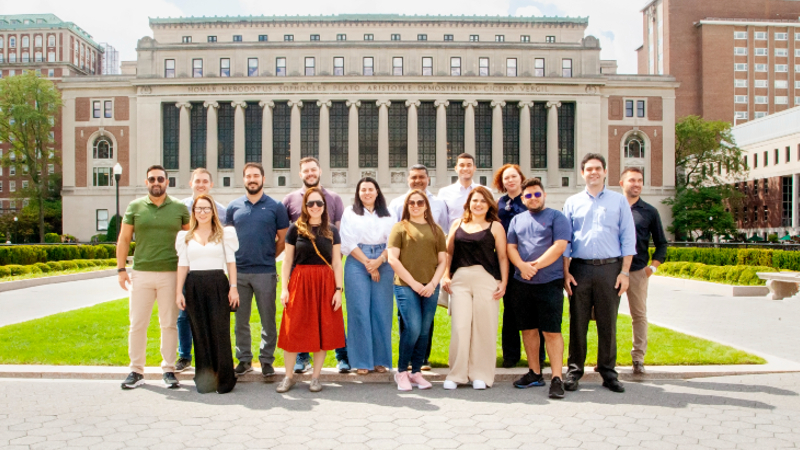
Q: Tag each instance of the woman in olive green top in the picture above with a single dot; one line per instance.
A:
(417, 253)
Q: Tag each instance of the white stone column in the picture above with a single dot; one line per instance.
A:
(413, 132)
(266, 141)
(441, 142)
(294, 142)
(325, 140)
(184, 145)
(469, 126)
(497, 134)
(795, 200)
(525, 136)
(552, 144)
(238, 142)
(211, 139)
(353, 171)
(383, 140)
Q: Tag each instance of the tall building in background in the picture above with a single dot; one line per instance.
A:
(735, 60)
(57, 50)
(110, 62)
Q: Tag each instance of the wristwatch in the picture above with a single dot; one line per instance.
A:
(338, 288)
(121, 269)
(627, 274)
(653, 269)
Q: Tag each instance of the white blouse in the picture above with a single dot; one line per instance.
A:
(368, 229)
(210, 256)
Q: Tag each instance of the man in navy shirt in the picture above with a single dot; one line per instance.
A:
(261, 224)
(536, 241)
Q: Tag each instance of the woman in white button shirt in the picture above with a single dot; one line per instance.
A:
(204, 252)
(368, 279)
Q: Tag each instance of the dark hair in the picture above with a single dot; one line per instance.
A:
(631, 169)
(491, 214)
(303, 227)
(590, 156)
(155, 167)
(252, 164)
(465, 156)
(405, 218)
(532, 182)
(380, 200)
(498, 177)
(419, 167)
(309, 159)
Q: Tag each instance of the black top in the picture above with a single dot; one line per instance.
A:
(648, 223)
(508, 208)
(304, 253)
(475, 249)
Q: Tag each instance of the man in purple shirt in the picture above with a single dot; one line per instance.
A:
(310, 173)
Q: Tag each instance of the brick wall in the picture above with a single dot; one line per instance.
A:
(655, 108)
(655, 134)
(615, 109)
(121, 108)
(83, 109)
(82, 152)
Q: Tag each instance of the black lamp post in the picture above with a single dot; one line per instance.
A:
(117, 176)
(16, 229)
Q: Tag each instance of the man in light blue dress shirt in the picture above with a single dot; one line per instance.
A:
(597, 262)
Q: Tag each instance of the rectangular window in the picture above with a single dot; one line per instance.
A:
(427, 66)
(741, 115)
(740, 83)
(740, 51)
(483, 67)
(225, 135)
(511, 67)
(511, 133)
(741, 99)
(524, 38)
(781, 67)
(96, 109)
(566, 68)
(281, 135)
(761, 67)
(781, 52)
(252, 67)
(12, 170)
(422, 37)
(499, 38)
(628, 108)
(397, 66)
(448, 37)
(455, 131)
(766, 158)
(426, 134)
(566, 136)
(310, 67)
(368, 66)
(483, 135)
(639, 108)
(280, 67)
(288, 38)
(538, 67)
(368, 134)
(761, 100)
(781, 84)
(101, 219)
(198, 135)
(740, 34)
(761, 35)
(314, 37)
(797, 100)
(224, 67)
(395, 37)
(263, 38)
(781, 36)
(781, 100)
(169, 68)
(550, 39)
(107, 109)
(197, 68)
(101, 176)
(761, 83)
(339, 130)
(212, 39)
(538, 135)
(253, 120)
(474, 38)
(398, 134)
(237, 38)
(760, 114)
(341, 37)
(338, 66)
(787, 201)
(761, 52)
(797, 53)
(309, 130)
(171, 130)
(455, 66)
(369, 37)
(797, 36)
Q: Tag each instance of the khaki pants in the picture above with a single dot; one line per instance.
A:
(637, 302)
(146, 289)
(473, 340)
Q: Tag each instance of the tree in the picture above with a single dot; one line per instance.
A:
(700, 213)
(29, 105)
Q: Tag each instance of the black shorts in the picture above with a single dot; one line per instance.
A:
(536, 306)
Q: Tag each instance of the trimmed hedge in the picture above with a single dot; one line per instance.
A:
(739, 275)
(11, 270)
(31, 254)
(778, 259)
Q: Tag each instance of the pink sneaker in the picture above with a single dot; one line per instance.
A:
(403, 384)
(419, 381)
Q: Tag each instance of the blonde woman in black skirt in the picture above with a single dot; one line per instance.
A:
(205, 251)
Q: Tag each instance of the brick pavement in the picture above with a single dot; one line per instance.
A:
(748, 412)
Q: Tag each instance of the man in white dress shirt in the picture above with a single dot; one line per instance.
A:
(456, 194)
(418, 179)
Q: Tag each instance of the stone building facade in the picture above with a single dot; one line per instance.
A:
(367, 95)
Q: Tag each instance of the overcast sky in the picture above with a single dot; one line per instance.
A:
(618, 24)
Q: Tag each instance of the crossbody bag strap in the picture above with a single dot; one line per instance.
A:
(320, 254)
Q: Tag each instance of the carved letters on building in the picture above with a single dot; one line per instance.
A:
(376, 88)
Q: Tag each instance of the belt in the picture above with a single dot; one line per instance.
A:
(596, 262)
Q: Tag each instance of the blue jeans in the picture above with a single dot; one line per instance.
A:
(417, 313)
(369, 311)
(184, 336)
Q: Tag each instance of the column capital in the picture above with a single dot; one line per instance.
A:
(553, 103)
(468, 103)
(293, 103)
(356, 103)
(327, 103)
(241, 104)
(267, 103)
(386, 103)
(496, 103)
(438, 103)
(210, 105)
(186, 105)
(412, 102)
(523, 105)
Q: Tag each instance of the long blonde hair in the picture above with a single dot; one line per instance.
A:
(216, 225)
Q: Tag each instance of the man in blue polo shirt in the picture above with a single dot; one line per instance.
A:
(258, 220)
(535, 294)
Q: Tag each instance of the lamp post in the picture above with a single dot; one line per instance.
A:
(16, 233)
(117, 176)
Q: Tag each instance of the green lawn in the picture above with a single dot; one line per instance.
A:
(98, 335)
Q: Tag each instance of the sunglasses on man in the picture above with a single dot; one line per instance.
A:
(529, 196)
(160, 180)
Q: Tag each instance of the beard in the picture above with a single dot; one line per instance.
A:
(256, 190)
(156, 190)
(310, 185)
(538, 209)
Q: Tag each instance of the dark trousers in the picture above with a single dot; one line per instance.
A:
(510, 338)
(595, 289)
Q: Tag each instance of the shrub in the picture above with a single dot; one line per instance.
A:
(701, 273)
(43, 267)
(717, 274)
(67, 265)
(55, 266)
(17, 269)
(52, 238)
(81, 263)
(772, 238)
(34, 269)
(4, 272)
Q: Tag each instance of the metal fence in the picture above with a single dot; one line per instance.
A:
(738, 245)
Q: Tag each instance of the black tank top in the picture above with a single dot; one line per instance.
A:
(475, 249)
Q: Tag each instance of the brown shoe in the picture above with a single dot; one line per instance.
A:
(638, 368)
(380, 369)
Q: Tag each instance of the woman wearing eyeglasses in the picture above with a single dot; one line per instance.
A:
(417, 253)
(205, 251)
(476, 280)
(311, 292)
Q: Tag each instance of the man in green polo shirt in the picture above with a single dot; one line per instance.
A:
(156, 219)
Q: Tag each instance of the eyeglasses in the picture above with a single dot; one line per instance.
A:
(204, 210)
(313, 203)
(535, 194)
(160, 180)
(416, 203)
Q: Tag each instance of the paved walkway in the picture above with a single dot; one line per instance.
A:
(748, 412)
(26, 304)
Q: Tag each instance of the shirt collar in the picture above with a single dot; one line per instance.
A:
(149, 201)
(263, 197)
(304, 189)
(639, 203)
(586, 190)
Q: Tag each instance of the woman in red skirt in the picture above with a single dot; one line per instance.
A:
(312, 289)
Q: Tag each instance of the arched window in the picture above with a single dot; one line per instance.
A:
(103, 149)
(2, 42)
(51, 41)
(25, 42)
(634, 146)
(37, 41)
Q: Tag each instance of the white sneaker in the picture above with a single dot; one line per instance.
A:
(450, 385)
(478, 384)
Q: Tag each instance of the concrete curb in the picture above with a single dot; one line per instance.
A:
(654, 373)
(33, 282)
(707, 287)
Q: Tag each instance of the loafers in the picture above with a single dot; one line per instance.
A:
(614, 386)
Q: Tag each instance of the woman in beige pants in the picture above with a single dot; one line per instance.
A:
(476, 280)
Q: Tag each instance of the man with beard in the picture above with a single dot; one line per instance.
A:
(418, 179)
(261, 224)
(311, 173)
(156, 219)
(536, 241)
